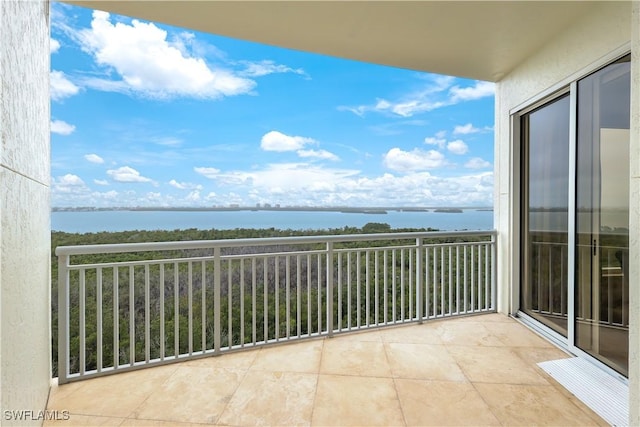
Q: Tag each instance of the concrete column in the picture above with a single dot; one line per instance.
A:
(25, 354)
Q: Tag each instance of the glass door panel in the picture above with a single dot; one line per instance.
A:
(602, 215)
(545, 191)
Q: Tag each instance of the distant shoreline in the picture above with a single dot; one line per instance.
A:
(340, 209)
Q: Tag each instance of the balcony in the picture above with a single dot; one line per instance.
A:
(382, 329)
(473, 370)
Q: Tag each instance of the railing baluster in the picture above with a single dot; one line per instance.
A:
(203, 304)
(376, 254)
(411, 274)
(63, 318)
(82, 313)
(473, 281)
(309, 317)
(147, 314)
(330, 288)
(436, 285)
(457, 279)
(419, 280)
(465, 279)
(450, 282)
(368, 319)
(487, 274)
(319, 294)
(116, 318)
(385, 282)
(349, 310)
(288, 294)
(358, 293)
(162, 289)
(442, 282)
(265, 308)
(132, 317)
(190, 303)
(402, 311)
(176, 310)
(230, 340)
(339, 291)
(217, 277)
(393, 286)
(298, 296)
(254, 279)
(99, 317)
(277, 298)
(242, 285)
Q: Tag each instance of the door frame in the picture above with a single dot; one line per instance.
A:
(569, 85)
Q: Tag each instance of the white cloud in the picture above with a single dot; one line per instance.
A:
(127, 174)
(207, 172)
(263, 68)
(70, 185)
(101, 182)
(438, 92)
(60, 86)
(438, 140)
(149, 65)
(193, 196)
(318, 154)
(414, 160)
(465, 129)
(477, 163)
(479, 90)
(61, 127)
(277, 141)
(457, 147)
(54, 45)
(184, 185)
(94, 158)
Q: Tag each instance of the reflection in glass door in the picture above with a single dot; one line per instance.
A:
(602, 215)
(545, 173)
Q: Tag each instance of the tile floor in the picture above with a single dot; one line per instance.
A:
(478, 370)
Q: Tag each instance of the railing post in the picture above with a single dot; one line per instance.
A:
(216, 299)
(330, 288)
(419, 278)
(63, 318)
(494, 297)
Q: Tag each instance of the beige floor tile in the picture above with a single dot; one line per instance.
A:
(423, 361)
(443, 403)
(104, 396)
(84, 421)
(272, 398)
(133, 422)
(356, 401)
(467, 333)
(197, 395)
(412, 334)
(527, 405)
(298, 357)
(516, 335)
(235, 360)
(364, 358)
(535, 355)
(495, 365)
(360, 335)
(481, 318)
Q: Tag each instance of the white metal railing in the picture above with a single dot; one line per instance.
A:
(549, 283)
(124, 306)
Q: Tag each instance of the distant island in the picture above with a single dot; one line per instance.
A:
(267, 207)
(448, 210)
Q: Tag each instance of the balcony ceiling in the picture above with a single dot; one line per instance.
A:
(473, 39)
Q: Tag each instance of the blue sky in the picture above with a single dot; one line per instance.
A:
(144, 114)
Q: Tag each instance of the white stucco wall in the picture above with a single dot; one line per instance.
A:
(24, 209)
(592, 39)
(634, 219)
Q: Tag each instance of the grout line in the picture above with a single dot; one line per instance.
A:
(315, 392)
(393, 379)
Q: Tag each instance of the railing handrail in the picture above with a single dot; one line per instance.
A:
(259, 241)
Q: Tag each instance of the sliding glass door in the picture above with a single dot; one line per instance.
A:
(588, 266)
(545, 137)
(602, 215)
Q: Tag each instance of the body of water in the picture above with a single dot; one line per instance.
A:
(96, 221)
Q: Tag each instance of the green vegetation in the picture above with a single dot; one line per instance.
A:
(266, 292)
